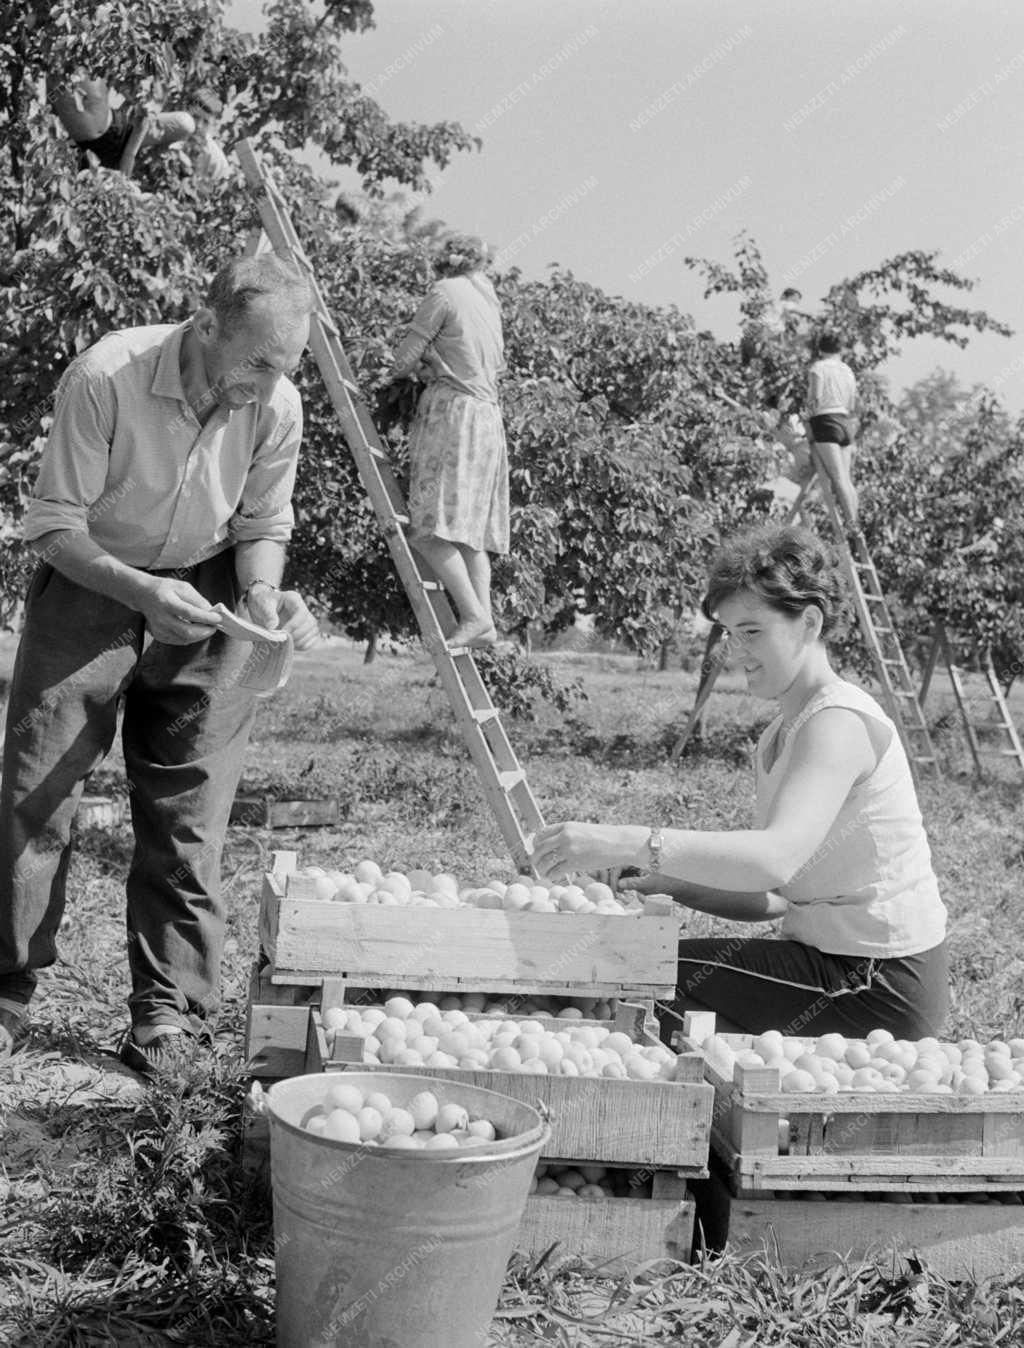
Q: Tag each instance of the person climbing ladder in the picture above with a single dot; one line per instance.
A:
(458, 461)
(831, 403)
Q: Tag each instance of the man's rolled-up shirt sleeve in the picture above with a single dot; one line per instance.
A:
(75, 461)
(265, 510)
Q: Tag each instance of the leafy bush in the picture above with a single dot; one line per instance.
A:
(516, 683)
(173, 1190)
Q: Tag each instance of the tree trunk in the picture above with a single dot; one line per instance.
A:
(664, 653)
(371, 650)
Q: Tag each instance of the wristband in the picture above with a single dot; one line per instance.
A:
(256, 580)
(654, 845)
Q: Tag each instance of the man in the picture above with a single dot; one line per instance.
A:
(831, 402)
(86, 109)
(164, 489)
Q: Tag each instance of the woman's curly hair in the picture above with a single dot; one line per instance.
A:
(458, 254)
(785, 565)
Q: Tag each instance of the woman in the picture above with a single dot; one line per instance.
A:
(838, 852)
(458, 492)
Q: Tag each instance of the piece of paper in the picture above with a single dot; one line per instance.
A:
(267, 667)
(244, 630)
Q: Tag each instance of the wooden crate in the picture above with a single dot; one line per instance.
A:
(902, 1141)
(617, 1232)
(261, 811)
(623, 1122)
(276, 1026)
(957, 1240)
(464, 949)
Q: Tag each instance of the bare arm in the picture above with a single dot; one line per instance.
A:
(830, 753)
(763, 906)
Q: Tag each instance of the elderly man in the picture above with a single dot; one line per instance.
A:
(164, 490)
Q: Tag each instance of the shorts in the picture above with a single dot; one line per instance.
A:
(770, 983)
(109, 147)
(831, 428)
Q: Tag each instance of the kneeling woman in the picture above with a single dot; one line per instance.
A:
(838, 853)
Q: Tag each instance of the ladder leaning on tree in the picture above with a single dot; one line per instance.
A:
(504, 782)
(874, 619)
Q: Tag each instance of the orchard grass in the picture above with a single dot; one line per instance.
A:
(126, 1215)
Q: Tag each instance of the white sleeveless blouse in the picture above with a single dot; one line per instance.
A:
(869, 889)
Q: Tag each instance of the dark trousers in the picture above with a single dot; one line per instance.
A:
(184, 733)
(768, 983)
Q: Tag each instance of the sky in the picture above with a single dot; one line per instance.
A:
(620, 136)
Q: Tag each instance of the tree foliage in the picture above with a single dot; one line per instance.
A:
(635, 441)
(83, 252)
(939, 472)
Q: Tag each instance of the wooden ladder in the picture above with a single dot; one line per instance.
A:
(503, 779)
(998, 721)
(876, 625)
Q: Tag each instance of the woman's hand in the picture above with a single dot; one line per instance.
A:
(563, 849)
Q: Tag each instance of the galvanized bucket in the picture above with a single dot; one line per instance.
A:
(394, 1249)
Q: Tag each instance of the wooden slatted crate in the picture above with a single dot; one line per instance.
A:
(857, 1140)
(623, 1122)
(619, 1233)
(958, 1240)
(464, 949)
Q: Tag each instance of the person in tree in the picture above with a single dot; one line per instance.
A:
(100, 124)
(164, 490)
(210, 164)
(831, 403)
(458, 461)
(837, 853)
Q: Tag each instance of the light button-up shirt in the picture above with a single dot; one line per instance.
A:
(128, 463)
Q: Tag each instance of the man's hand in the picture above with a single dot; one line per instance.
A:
(284, 610)
(176, 613)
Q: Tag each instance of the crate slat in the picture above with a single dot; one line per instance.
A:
(617, 1232)
(956, 1241)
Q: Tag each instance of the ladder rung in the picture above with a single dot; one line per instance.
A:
(990, 725)
(432, 585)
(508, 780)
(484, 714)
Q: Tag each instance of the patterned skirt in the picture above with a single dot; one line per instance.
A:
(458, 470)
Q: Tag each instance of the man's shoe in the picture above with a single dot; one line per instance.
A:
(13, 1031)
(165, 1055)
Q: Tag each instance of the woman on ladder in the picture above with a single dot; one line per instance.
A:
(837, 853)
(458, 490)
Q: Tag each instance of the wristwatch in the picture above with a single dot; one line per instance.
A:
(256, 580)
(654, 844)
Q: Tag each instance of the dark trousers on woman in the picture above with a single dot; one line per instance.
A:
(774, 984)
(185, 727)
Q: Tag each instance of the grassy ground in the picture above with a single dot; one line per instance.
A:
(125, 1217)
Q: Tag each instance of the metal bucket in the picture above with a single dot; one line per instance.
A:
(394, 1249)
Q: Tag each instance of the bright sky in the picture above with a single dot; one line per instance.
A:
(621, 135)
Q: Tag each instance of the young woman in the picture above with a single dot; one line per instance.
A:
(837, 854)
(458, 491)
